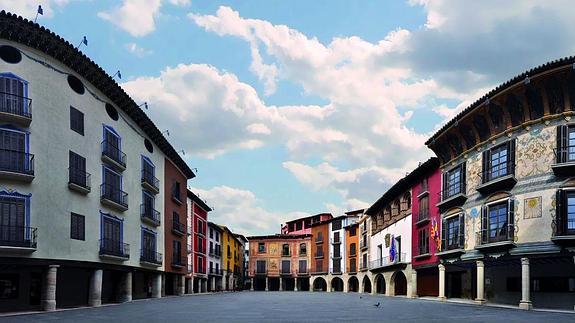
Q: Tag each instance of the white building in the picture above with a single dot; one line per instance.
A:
(215, 269)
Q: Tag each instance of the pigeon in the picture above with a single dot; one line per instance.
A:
(376, 305)
(360, 297)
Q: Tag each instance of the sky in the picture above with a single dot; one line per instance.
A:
(292, 108)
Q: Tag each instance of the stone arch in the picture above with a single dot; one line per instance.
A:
(366, 285)
(406, 201)
(353, 284)
(336, 284)
(319, 284)
(379, 284)
(399, 283)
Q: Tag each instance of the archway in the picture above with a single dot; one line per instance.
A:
(353, 284)
(400, 283)
(379, 284)
(366, 285)
(337, 284)
(319, 284)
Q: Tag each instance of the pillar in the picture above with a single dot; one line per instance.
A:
(181, 287)
(213, 284)
(157, 286)
(281, 284)
(374, 285)
(441, 282)
(267, 284)
(95, 292)
(525, 280)
(480, 282)
(48, 300)
(125, 288)
(204, 285)
(328, 282)
(252, 284)
(413, 284)
(295, 286)
(190, 282)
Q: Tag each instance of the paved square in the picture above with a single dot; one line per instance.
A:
(291, 307)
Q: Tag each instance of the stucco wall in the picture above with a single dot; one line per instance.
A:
(400, 228)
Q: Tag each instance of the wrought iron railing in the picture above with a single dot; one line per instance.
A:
(114, 194)
(151, 256)
(79, 177)
(564, 154)
(493, 235)
(180, 228)
(149, 178)
(18, 236)
(114, 153)
(495, 172)
(15, 104)
(149, 213)
(387, 261)
(115, 248)
(16, 161)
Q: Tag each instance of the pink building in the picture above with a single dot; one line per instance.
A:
(303, 225)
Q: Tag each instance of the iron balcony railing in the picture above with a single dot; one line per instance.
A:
(149, 178)
(151, 256)
(16, 105)
(261, 271)
(452, 241)
(114, 194)
(18, 236)
(318, 254)
(363, 244)
(116, 248)
(452, 190)
(564, 226)
(177, 261)
(565, 154)
(180, 228)
(387, 261)
(149, 213)
(335, 270)
(494, 235)
(114, 153)
(335, 240)
(303, 271)
(495, 172)
(352, 269)
(79, 177)
(319, 239)
(285, 271)
(16, 162)
(363, 266)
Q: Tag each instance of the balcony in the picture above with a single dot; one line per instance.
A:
(564, 232)
(352, 269)
(452, 197)
(179, 229)
(352, 252)
(335, 271)
(497, 179)
(79, 180)
(285, 272)
(318, 254)
(113, 197)
(335, 241)
(363, 266)
(114, 156)
(319, 240)
(303, 272)
(501, 238)
(565, 161)
(151, 257)
(363, 244)
(16, 165)
(261, 272)
(387, 262)
(216, 272)
(17, 238)
(336, 256)
(114, 249)
(150, 182)
(452, 246)
(176, 195)
(150, 215)
(15, 109)
(422, 217)
(177, 263)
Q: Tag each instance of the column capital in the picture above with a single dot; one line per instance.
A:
(441, 266)
(525, 261)
(479, 263)
(53, 266)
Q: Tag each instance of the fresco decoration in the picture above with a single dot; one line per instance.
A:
(553, 217)
(535, 152)
(273, 249)
(274, 264)
(387, 240)
(532, 208)
(469, 230)
(473, 173)
(517, 215)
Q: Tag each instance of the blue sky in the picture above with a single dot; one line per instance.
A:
(295, 107)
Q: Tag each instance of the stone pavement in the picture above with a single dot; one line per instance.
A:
(291, 307)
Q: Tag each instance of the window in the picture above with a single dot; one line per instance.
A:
(454, 181)
(261, 247)
(77, 229)
(336, 225)
(211, 233)
(200, 227)
(176, 191)
(565, 210)
(336, 237)
(364, 261)
(286, 267)
(302, 266)
(423, 241)
(337, 265)
(177, 253)
(497, 221)
(217, 236)
(353, 232)
(319, 266)
(14, 155)
(424, 185)
(395, 209)
(336, 251)
(260, 266)
(298, 225)
(352, 265)
(112, 236)
(285, 249)
(77, 170)
(149, 172)
(319, 237)
(13, 219)
(452, 232)
(149, 245)
(499, 161)
(112, 146)
(424, 207)
(112, 187)
(565, 143)
(148, 206)
(302, 249)
(13, 95)
(77, 121)
(291, 227)
(352, 248)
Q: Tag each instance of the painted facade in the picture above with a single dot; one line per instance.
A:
(303, 225)
(215, 269)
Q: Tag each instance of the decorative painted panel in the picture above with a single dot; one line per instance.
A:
(534, 153)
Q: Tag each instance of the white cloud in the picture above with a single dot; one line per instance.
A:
(28, 8)
(137, 50)
(137, 17)
(242, 212)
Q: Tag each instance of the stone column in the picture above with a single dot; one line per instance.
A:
(328, 282)
(267, 284)
(157, 286)
(204, 285)
(441, 282)
(413, 284)
(125, 288)
(48, 300)
(525, 280)
(480, 282)
(95, 292)
(346, 286)
(190, 284)
(373, 286)
(213, 284)
(295, 286)
(281, 284)
(252, 284)
(181, 285)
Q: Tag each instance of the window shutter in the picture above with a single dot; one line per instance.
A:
(562, 143)
(444, 186)
(483, 233)
(486, 157)
(559, 212)
(443, 235)
(461, 230)
(463, 171)
(510, 218)
(511, 152)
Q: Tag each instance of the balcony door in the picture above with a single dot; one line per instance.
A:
(571, 143)
(112, 144)
(12, 150)
(113, 185)
(112, 235)
(148, 244)
(12, 92)
(12, 219)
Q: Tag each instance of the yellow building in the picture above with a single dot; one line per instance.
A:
(232, 260)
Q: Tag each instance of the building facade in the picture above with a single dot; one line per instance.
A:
(76, 153)
(199, 254)
(215, 269)
(303, 225)
(352, 255)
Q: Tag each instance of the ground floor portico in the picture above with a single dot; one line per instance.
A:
(280, 283)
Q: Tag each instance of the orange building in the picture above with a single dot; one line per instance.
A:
(320, 250)
(352, 257)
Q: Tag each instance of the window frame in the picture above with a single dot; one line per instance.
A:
(77, 121)
(78, 228)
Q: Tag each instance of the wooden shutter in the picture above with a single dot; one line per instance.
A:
(461, 236)
(463, 171)
(511, 157)
(443, 235)
(562, 143)
(510, 218)
(559, 212)
(484, 225)
(485, 169)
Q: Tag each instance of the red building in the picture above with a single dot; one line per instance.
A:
(175, 231)
(303, 225)
(198, 218)
(426, 233)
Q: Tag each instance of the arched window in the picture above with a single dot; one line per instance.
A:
(395, 209)
(285, 249)
(13, 95)
(406, 202)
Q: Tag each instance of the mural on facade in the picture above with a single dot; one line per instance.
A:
(534, 153)
(532, 208)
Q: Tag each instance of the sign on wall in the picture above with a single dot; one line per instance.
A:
(532, 208)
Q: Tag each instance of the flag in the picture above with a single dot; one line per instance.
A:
(392, 252)
(119, 75)
(85, 41)
(40, 10)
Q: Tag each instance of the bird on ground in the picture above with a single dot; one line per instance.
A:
(376, 305)
(360, 297)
